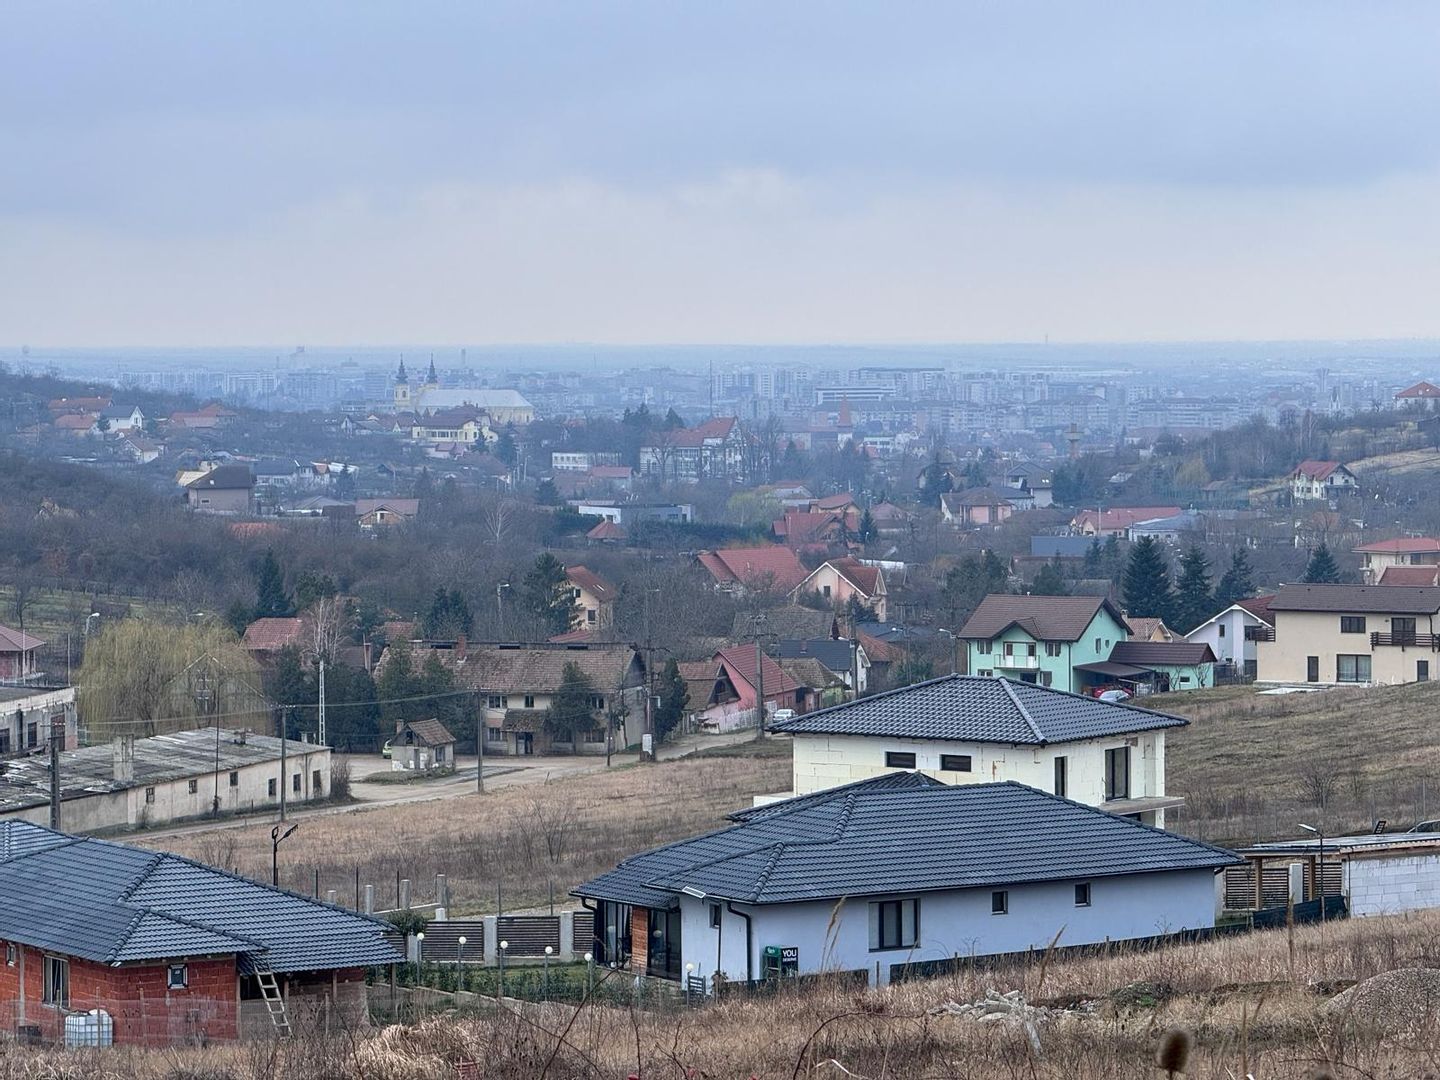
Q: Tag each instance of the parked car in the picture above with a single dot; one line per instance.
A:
(782, 714)
(385, 750)
(1114, 695)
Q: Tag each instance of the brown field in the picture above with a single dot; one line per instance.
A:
(1250, 767)
(1253, 1004)
(524, 838)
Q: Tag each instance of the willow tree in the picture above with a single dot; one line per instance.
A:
(145, 678)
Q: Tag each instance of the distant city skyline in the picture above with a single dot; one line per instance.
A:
(738, 173)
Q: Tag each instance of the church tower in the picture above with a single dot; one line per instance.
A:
(432, 380)
(402, 388)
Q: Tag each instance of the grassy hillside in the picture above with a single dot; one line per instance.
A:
(1251, 766)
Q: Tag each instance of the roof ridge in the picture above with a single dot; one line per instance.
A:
(1024, 712)
(763, 878)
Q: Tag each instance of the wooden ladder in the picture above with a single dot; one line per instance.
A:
(274, 1001)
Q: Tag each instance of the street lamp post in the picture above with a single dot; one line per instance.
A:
(500, 606)
(459, 956)
(419, 953)
(504, 945)
(276, 838)
(548, 951)
(589, 974)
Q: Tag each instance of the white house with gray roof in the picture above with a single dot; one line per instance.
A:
(898, 870)
(965, 729)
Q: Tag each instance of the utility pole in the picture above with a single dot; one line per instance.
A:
(479, 747)
(321, 707)
(760, 689)
(284, 771)
(57, 742)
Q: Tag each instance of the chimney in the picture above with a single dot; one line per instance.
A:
(122, 750)
(460, 646)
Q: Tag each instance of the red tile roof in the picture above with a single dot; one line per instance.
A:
(1404, 545)
(773, 566)
(865, 578)
(607, 530)
(800, 527)
(739, 661)
(1420, 390)
(835, 502)
(583, 577)
(1410, 575)
(272, 635)
(1259, 606)
(1315, 470)
(17, 640)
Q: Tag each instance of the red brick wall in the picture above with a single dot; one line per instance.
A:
(144, 1011)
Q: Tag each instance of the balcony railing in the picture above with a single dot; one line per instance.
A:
(1259, 633)
(1404, 639)
(1029, 663)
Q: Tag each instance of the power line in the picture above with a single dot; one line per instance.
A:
(265, 706)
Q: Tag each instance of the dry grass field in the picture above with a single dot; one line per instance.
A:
(1251, 766)
(1254, 1005)
(523, 838)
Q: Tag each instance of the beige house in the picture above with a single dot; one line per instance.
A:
(1383, 555)
(838, 580)
(594, 597)
(964, 729)
(226, 489)
(1351, 634)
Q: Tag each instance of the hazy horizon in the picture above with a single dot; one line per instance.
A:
(528, 174)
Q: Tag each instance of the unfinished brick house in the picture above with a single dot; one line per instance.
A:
(167, 949)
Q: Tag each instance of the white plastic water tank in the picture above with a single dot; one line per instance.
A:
(93, 1028)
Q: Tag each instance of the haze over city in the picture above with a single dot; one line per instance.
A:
(333, 173)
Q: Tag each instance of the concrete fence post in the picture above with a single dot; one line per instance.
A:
(492, 940)
(330, 896)
(369, 908)
(442, 891)
(1297, 882)
(566, 952)
(405, 894)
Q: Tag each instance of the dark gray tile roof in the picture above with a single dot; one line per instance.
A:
(113, 903)
(1163, 653)
(1383, 599)
(863, 840)
(896, 780)
(1045, 618)
(973, 708)
(835, 655)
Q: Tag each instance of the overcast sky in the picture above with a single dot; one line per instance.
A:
(292, 172)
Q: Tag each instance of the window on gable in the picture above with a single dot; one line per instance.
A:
(894, 924)
(1221, 628)
(897, 759)
(1000, 902)
(714, 916)
(177, 977)
(1082, 894)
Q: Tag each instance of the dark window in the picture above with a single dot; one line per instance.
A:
(1352, 624)
(1000, 902)
(1422, 670)
(5, 741)
(955, 762)
(1082, 894)
(1352, 668)
(295, 782)
(193, 786)
(271, 786)
(1312, 669)
(234, 779)
(57, 982)
(1062, 777)
(32, 735)
(177, 977)
(529, 701)
(494, 701)
(11, 954)
(714, 916)
(983, 647)
(1221, 628)
(895, 759)
(1117, 773)
(149, 795)
(315, 788)
(1402, 631)
(1052, 648)
(894, 924)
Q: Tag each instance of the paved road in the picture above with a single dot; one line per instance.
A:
(500, 773)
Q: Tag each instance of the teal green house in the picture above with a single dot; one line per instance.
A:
(1059, 641)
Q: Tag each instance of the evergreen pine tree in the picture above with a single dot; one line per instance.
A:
(1194, 601)
(674, 696)
(1146, 583)
(571, 708)
(271, 599)
(546, 493)
(866, 531)
(505, 448)
(1322, 568)
(1237, 583)
(545, 593)
(1049, 581)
